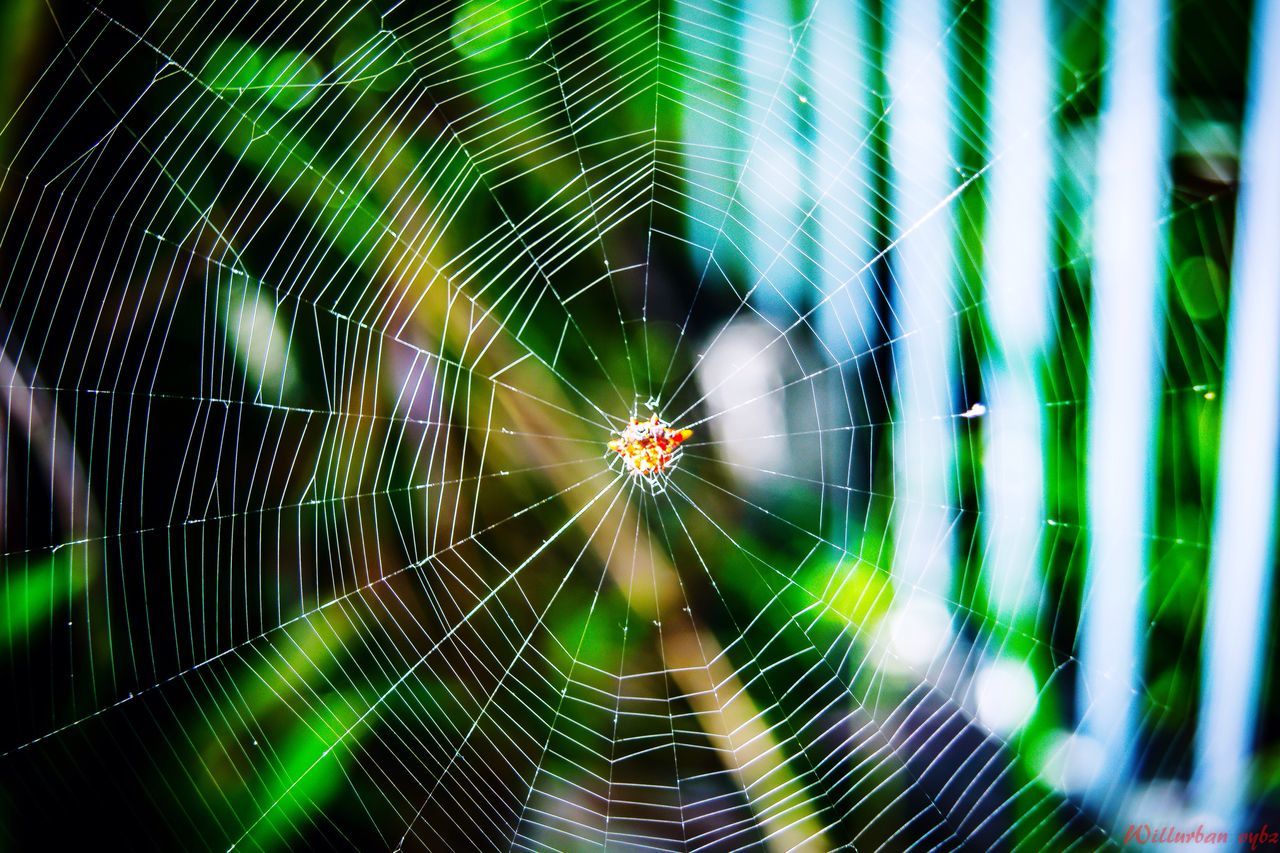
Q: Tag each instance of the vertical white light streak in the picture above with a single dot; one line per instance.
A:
(921, 176)
(843, 235)
(844, 244)
(1019, 300)
(709, 112)
(772, 187)
(1243, 532)
(1126, 349)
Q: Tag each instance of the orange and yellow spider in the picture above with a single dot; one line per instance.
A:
(649, 448)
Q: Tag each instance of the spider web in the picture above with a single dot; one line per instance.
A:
(319, 317)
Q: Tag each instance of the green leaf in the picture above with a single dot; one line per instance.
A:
(486, 29)
(288, 81)
(33, 590)
(312, 760)
(232, 67)
(856, 592)
(282, 79)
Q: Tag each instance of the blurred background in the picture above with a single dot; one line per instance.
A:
(316, 319)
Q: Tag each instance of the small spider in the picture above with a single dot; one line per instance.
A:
(649, 448)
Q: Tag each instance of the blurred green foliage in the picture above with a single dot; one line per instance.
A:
(321, 155)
